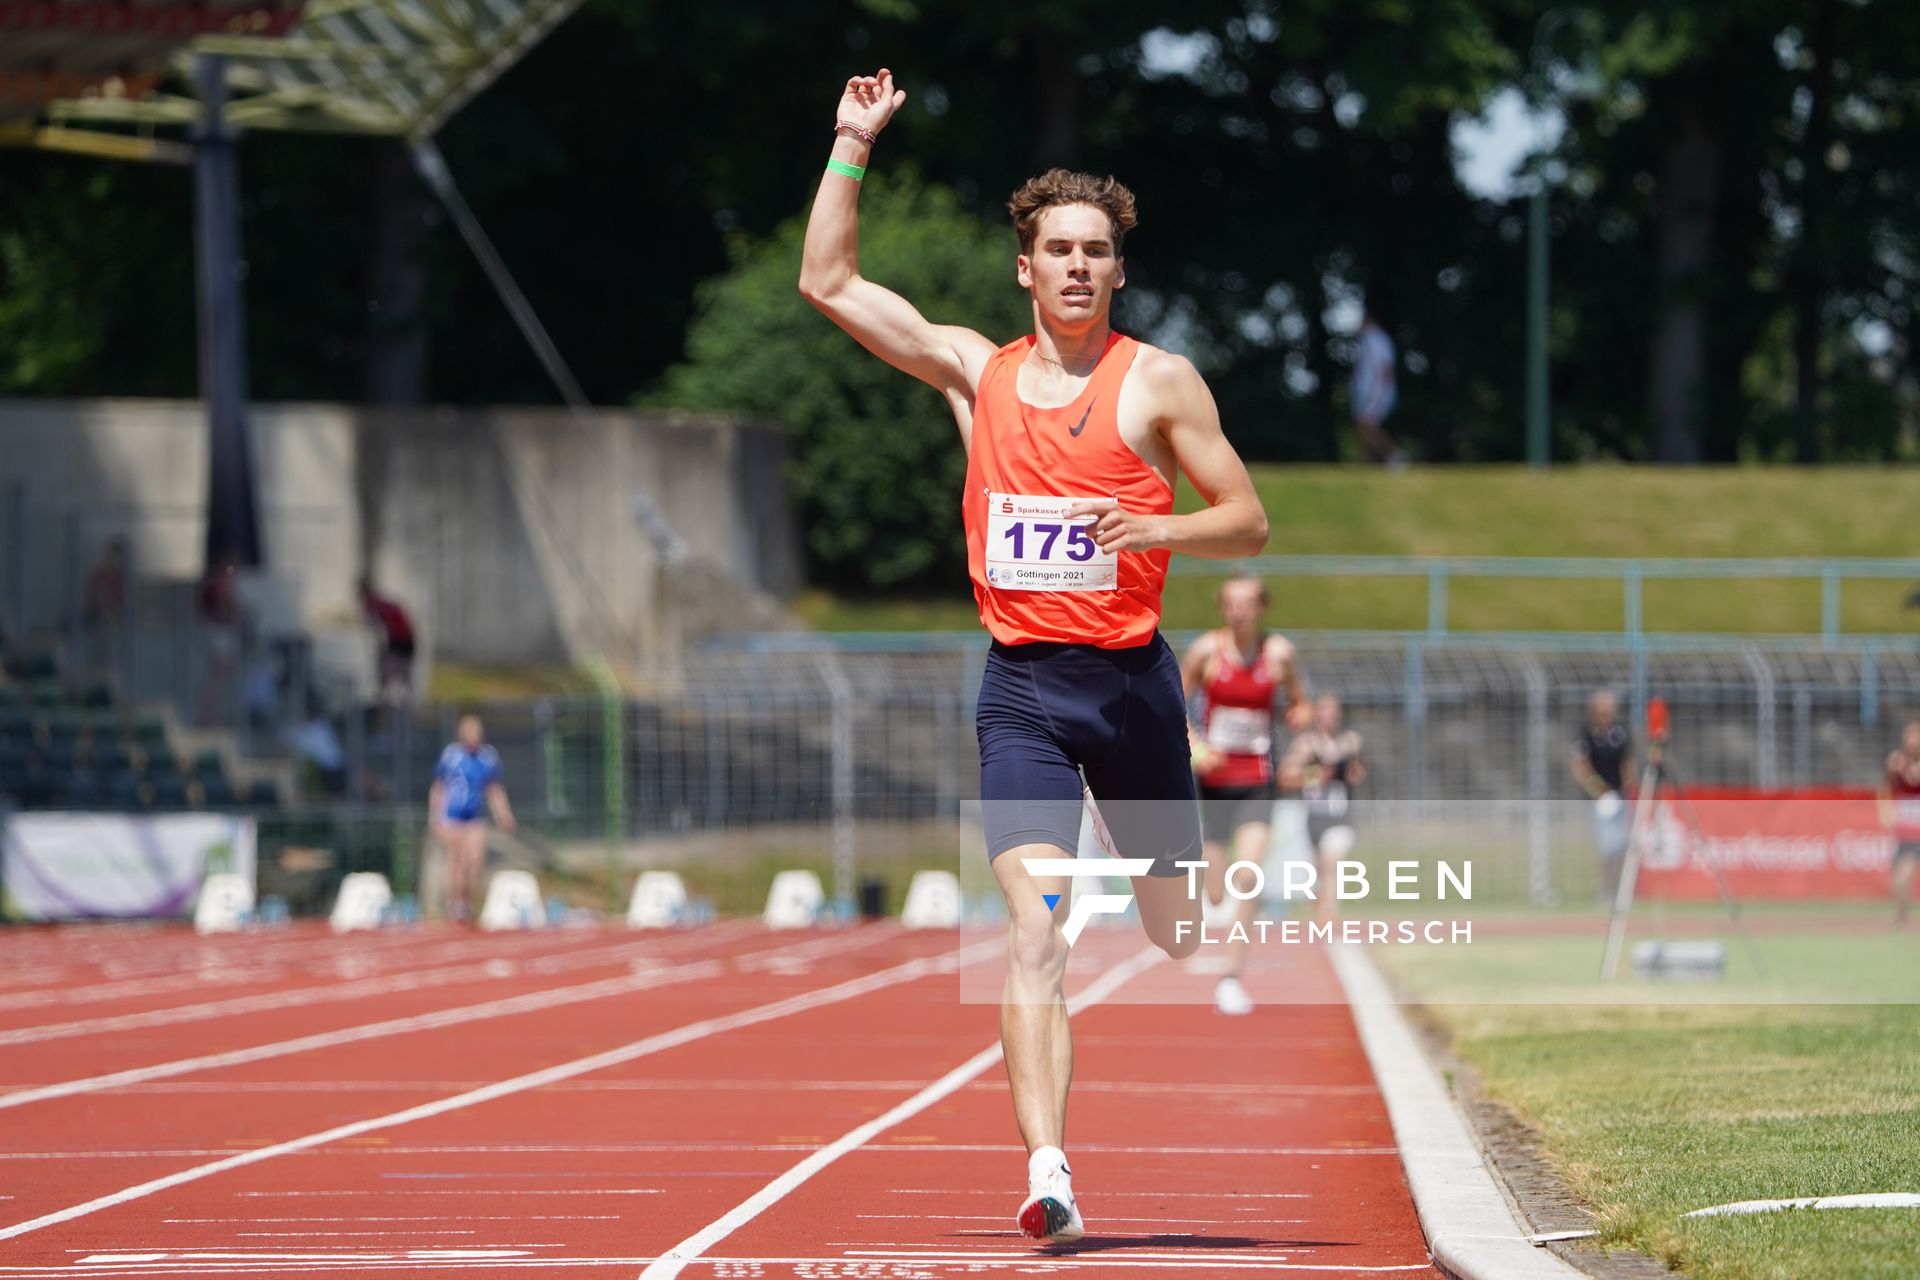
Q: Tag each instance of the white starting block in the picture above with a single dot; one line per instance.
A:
(795, 900)
(1692, 960)
(513, 902)
(226, 901)
(659, 901)
(363, 899)
(933, 901)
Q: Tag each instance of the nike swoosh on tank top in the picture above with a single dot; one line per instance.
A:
(1036, 576)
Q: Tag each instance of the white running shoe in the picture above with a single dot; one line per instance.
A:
(1050, 1212)
(1230, 998)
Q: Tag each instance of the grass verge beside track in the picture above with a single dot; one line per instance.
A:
(1653, 1109)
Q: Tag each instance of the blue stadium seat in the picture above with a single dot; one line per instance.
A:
(125, 792)
(85, 789)
(263, 794)
(109, 756)
(216, 792)
(169, 791)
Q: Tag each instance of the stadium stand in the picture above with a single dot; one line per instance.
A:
(64, 746)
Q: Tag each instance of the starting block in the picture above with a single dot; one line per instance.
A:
(795, 900)
(659, 901)
(361, 903)
(513, 902)
(933, 901)
(226, 901)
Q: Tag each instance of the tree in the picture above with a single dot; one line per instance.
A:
(878, 464)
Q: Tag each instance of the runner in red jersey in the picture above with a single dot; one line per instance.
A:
(1076, 437)
(1900, 811)
(1237, 671)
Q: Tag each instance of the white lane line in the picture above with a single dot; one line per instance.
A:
(530, 1002)
(464, 1191)
(341, 1235)
(806, 1000)
(355, 958)
(1105, 1218)
(652, 1148)
(328, 993)
(1106, 1194)
(675, 1259)
(915, 1267)
(417, 1217)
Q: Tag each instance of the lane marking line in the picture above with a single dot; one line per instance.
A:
(529, 1002)
(912, 970)
(329, 993)
(675, 1259)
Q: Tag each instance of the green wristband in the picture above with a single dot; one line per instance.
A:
(845, 170)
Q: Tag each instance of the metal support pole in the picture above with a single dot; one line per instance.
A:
(1766, 762)
(1539, 750)
(1539, 450)
(840, 696)
(613, 752)
(232, 525)
(1437, 600)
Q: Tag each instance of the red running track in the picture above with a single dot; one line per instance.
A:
(722, 1102)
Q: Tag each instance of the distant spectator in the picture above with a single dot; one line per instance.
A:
(220, 621)
(396, 643)
(466, 789)
(1375, 392)
(1602, 764)
(1900, 812)
(103, 605)
(319, 748)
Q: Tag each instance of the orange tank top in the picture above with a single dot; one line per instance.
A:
(1036, 575)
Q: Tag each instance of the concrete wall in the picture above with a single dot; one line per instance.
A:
(510, 533)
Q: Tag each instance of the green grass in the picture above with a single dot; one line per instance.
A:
(739, 888)
(470, 683)
(1510, 511)
(1656, 1108)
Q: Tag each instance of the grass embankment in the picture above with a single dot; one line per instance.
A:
(1636, 512)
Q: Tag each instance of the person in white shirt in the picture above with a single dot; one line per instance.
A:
(1375, 391)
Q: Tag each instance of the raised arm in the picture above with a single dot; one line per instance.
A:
(946, 357)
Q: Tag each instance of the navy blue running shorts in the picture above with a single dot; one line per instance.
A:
(1049, 713)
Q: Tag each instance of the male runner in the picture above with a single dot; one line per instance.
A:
(1238, 669)
(1324, 765)
(466, 787)
(1900, 811)
(1075, 437)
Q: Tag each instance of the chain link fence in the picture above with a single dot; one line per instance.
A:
(793, 751)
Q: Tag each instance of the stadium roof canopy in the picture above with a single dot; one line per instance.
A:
(77, 74)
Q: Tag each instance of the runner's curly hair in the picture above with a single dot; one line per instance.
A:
(1063, 186)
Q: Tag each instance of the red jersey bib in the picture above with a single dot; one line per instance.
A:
(1239, 723)
(1038, 576)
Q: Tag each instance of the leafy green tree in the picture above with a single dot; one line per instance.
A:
(878, 465)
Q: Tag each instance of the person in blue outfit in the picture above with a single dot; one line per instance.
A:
(466, 789)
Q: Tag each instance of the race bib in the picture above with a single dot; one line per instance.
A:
(1032, 546)
(1240, 731)
(1906, 813)
(1328, 800)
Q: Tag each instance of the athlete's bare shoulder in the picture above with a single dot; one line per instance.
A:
(1166, 374)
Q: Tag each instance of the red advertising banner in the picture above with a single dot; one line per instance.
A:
(1827, 843)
